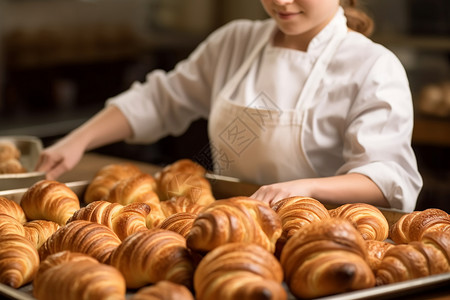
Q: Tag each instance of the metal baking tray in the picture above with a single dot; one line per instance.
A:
(30, 148)
(431, 287)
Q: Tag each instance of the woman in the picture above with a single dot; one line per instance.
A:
(301, 104)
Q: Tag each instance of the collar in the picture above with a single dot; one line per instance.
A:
(337, 24)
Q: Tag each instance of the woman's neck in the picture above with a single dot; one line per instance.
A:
(299, 41)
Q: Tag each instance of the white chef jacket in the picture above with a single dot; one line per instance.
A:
(360, 122)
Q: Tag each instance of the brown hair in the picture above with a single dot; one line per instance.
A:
(357, 19)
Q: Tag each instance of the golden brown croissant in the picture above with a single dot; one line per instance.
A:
(163, 290)
(13, 209)
(410, 261)
(82, 236)
(376, 250)
(106, 178)
(183, 166)
(195, 187)
(9, 225)
(38, 231)
(180, 204)
(11, 166)
(156, 215)
(130, 219)
(123, 220)
(19, 260)
(412, 226)
(153, 255)
(368, 219)
(180, 223)
(325, 258)
(160, 212)
(59, 258)
(439, 240)
(67, 275)
(239, 271)
(8, 150)
(295, 212)
(100, 212)
(139, 188)
(49, 200)
(237, 219)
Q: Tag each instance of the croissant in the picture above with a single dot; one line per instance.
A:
(165, 209)
(8, 150)
(106, 178)
(180, 204)
(163, 290)
(410, 261)
(236, 219)
(151, 256)
(174, 184)
(294, 213)
(324, 258)
(13, 209)
(439, 240)
(10, 225)
(139, 188)
(183, 166)
(19, 260)
(59, 258)
(67, 275)
(38, 231)
(49, 200)
(180, 223)
(239, 271)
(376, 251)
(156, 215)
(412, 226)
(11, 166)
(369, 220)
(100, 212)
(82, 236)
(130, 219)
(123, 220)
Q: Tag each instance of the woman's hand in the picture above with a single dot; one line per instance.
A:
(336, 190)
(60, 158)
(107, 126)
(273, 193)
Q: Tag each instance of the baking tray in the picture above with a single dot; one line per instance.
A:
(30, 148)
(431, 287)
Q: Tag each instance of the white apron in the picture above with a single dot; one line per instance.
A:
(263, 144)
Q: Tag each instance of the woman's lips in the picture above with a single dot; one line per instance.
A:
(287, 15)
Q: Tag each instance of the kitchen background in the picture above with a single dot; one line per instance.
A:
(61, 59)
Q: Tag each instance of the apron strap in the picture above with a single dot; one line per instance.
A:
(319, 69)
(313, 81)
(240, 73)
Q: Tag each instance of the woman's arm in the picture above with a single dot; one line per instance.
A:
(334, 190)
(107, 126)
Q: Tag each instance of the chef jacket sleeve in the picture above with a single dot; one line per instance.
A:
(167, 102)
(379, 130)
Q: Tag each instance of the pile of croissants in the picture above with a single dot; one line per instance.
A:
(10, 158)
(165, 236)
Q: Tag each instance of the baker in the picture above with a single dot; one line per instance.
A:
(302, 103)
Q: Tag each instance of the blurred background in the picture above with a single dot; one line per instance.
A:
(61, 59)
